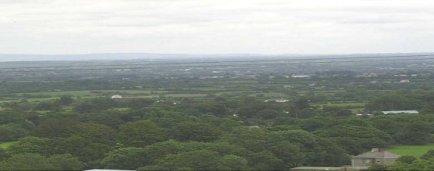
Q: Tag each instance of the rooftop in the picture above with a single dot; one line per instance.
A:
(401, 111)
(377, 153)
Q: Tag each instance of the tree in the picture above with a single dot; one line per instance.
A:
(234, 162)
(125, 158)
(140, 133)
(66, 100)
(414, 133)
(428, 155)
(11, 132)
(268, 114)
(35, 145)
(32, 161)
(48, 105)
(85, 150)
(291, 156)
(56, 128)
(393, 102)
(253, 139)
(195, 131)
(356, 139)
(376, 167)
(3, 154)
(26, 161)
(300, 104)
(10, 117)
(265, 160)
(65, 162)
(196, 160)
(96, 133)
(407, 159)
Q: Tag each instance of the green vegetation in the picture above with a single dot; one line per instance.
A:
(411, 150)
(212, 116)
(5, 145)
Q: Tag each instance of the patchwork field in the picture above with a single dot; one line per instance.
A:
(6, 144)
(411, 150)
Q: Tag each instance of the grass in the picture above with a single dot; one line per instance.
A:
(411, 150)
(5, 145)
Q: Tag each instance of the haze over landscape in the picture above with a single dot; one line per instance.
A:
(290, 85)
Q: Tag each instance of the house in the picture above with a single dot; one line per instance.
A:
(116, 97)
(279, 100)
(400, 112)
(404, 81)
(364, 114)
(300, 76)
(375, 156)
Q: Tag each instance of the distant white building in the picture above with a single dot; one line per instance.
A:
(116, 97)
(300, 76)
(404, 81)
(401, 112)
(364, 114)
(281, 100)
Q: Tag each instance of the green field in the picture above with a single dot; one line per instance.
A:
(6, 144)
(411, 150)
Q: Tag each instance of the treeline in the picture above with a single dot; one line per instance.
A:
(241, 133)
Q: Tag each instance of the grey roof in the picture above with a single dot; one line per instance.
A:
(377, 154)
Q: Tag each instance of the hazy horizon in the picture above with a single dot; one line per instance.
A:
(156, 56)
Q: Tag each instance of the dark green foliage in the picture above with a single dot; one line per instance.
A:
(66, 100)
(140, 133)
(394, 102)
(407, 159)
(3, 154)
(415, 165)
(11, 132)
(31, 161)
(356, 139)
(65, 162)
(30, 145)
(96, 133)
(196, 160)
(26, 161)
(377, 167)
(203, 134)
(414, 133)
(10, 117)
(56, 128)
(195, 131)
(428, 155)
(125, 158)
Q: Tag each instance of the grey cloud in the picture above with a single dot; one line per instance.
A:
(190, 26)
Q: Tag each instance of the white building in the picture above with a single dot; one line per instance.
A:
(364, 114)
(116, 97)
(281, 100)
(404, 81)
(401, 112)
(300, 76)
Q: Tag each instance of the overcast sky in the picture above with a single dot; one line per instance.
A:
(216, 26)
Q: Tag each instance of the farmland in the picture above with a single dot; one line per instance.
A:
(412, 150)
(233, 114)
